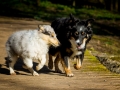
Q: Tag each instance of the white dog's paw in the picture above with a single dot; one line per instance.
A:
(35, 74)
(12, 73)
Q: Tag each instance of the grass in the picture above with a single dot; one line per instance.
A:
(110, 44)
(96, 65)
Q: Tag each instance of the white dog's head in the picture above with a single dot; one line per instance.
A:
(48, 35)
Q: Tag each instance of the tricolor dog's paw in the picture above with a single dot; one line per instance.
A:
(69, 74)
(77, 67)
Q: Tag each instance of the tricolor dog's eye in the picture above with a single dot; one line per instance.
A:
(82, 33)
(76, 33)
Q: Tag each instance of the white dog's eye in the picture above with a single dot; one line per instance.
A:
(51, 35)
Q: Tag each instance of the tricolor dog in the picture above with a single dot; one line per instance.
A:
(73, 35)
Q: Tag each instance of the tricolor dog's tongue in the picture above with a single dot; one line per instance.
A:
(78, 47)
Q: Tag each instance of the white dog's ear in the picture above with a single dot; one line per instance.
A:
(41, 28)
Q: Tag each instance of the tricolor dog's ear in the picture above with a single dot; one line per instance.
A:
(89, 21)
(72, 18)
(82, 22)
(41, 29)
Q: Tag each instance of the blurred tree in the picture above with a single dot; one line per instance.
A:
(119, 5)
(90, 3)
(112, 5)
(37, 3)
(74, 3)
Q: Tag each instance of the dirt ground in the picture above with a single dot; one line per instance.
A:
(84, 79)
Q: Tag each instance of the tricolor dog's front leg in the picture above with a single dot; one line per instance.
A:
(79, 60)
(56, 58)
(66, 65)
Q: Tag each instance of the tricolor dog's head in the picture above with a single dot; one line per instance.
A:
(84, 32)
(81, 34)
(48, 35)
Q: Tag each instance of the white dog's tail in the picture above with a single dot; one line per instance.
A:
(8, 51)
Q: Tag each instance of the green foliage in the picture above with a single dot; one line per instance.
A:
(48, 11)
(56, 10)
(96, 65)
(110, 45)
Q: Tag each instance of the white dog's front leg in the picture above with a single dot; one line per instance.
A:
(42, 62)
(28, 62)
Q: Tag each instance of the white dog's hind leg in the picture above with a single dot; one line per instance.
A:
(42, 62)
(28, 62)
(25, 67)
(12, 62)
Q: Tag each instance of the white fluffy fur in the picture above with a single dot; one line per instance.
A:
(28, 45)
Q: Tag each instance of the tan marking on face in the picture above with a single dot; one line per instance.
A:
(83, 43)
(85, 39)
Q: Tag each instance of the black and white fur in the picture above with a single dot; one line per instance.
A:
(73, 35)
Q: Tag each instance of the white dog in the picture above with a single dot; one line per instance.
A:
(30, 45)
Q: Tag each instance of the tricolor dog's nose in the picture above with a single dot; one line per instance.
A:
(78, 44)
